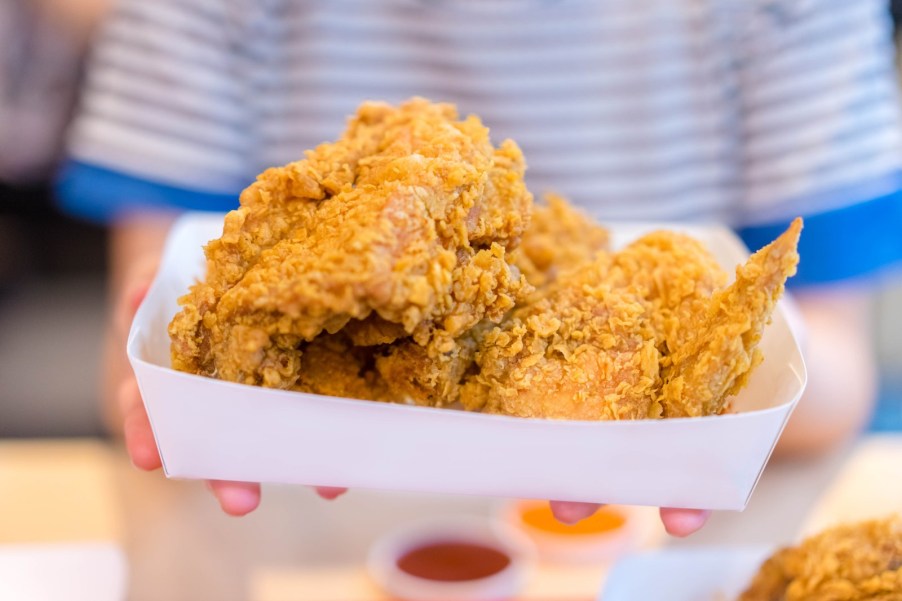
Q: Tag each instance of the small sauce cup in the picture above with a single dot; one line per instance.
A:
(452, 559)
(611, 532)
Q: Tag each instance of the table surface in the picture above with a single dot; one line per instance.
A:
(181, 547)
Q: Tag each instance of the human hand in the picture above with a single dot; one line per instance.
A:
(235, 498)
(677, 522)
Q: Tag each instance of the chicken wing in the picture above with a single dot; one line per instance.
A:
(717, 359)
(633, 334)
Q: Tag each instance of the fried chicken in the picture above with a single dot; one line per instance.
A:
(846, 563)
(402, 225)
(717, 358)
(633, 334)
(429, 375)
(400, 263)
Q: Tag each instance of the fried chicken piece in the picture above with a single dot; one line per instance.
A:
(632, 335)
(586, 351)
(722, 348)
(388, 225)
(559, 238)
(846, 563)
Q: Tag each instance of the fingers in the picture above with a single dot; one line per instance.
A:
(236, 498)
(136, 296)
(683, 522)
(677, 522)
(133, 291)
(241, 498)
(128, 304)
(570, 513)
(330, 492)
(139, 441)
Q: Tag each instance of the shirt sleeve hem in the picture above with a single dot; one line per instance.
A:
(850, 243)
(102, 195)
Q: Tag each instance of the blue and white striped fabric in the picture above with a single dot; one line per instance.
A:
(743, 111)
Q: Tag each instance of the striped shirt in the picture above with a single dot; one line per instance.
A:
(747, 112)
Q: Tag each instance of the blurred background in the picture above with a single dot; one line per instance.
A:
(52, 267)
(53, 307)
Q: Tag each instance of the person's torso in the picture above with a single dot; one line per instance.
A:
(625, 106)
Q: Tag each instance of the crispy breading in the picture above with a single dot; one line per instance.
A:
(584, 351)
(377, 223)
(429, 375)
(722, 351)
(851, 562)
(332, 365)
(559, 238)
(675, 275)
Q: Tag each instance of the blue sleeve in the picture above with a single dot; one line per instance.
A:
(101, 195)
(852, 242)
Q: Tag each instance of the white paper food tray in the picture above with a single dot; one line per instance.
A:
(687, 574)
(207, 428)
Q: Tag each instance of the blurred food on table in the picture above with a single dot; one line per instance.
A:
(845, 563)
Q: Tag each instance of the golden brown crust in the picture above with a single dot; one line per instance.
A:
(428, 375)
(333, 366)
(583, 351)
(675, 275)
(633, 334)
(847, 563)
(559, 238)
(716, 361)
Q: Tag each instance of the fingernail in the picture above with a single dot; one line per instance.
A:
(571, 513)
(330, 493)
(237, 501)
(684, 523)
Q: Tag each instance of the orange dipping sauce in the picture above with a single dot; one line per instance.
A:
(453, 561)
(539, 516)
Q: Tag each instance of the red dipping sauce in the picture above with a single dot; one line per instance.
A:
(453, 561)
